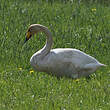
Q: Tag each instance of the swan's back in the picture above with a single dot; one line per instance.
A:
(74, 55)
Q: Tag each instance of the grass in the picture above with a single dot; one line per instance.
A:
(85, 26)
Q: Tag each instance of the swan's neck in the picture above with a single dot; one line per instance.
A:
(46, 49)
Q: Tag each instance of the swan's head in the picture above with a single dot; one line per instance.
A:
(33, 29)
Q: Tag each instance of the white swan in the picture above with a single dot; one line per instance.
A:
(60, 62)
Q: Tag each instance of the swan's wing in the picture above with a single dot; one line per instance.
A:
(73, 55)
(63, 56)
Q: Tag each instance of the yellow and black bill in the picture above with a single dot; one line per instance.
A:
(28, 36)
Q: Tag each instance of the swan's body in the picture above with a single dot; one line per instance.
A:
(67, 62)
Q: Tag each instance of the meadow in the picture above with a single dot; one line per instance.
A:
(74, 24)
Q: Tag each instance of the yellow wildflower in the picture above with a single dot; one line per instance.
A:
(77, 80)
(20, 68)
(93, 9)
(31, 71)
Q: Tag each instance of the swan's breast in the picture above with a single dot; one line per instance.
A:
(34, 61)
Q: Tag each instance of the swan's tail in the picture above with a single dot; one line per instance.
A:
(100, 64)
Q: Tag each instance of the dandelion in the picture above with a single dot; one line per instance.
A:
(77, 80)
(20, 69)
(93, 9)
(31, 71)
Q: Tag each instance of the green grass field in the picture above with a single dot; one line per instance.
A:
(81, 25)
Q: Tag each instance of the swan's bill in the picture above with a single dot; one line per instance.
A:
(28, 36)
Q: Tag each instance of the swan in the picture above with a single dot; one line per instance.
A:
(60, 62)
